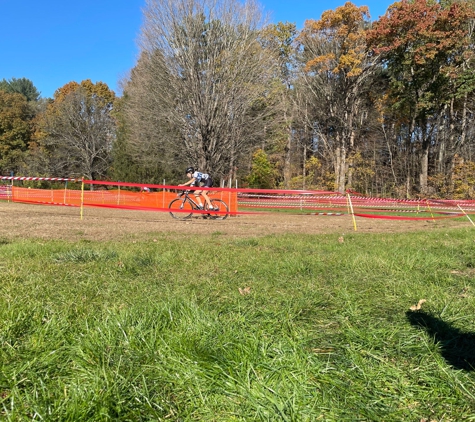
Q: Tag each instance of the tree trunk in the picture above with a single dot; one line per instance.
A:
(349, 166)
(463, 134)
(340, 169)
(423, 177)
(337, 167)
(287, 158)
(342, 179)
(408, 186)
(442, 141)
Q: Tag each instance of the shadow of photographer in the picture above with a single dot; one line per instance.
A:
(457, 347)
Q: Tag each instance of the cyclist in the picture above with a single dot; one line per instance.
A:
(202, 180)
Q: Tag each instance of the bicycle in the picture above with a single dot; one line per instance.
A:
(184, 205)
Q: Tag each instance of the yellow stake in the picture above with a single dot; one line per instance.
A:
(82, 196)
(469, 219)
(352, 212)
(428, 206)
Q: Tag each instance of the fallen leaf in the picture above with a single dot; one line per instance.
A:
(418, 306)
(323, 350)
(245, 291)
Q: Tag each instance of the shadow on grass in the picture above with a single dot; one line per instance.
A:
(457, 347)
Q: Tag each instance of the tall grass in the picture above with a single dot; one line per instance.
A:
(213, 328)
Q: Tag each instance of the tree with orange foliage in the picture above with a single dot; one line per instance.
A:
(99, 90)
(78, 129)
(336, 74)
(425, 48)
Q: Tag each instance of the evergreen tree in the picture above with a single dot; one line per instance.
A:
(21, 86)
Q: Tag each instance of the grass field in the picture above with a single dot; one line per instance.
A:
(285, 327)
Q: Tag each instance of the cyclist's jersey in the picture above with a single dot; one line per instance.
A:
(200, 177)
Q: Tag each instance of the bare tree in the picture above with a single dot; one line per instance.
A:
(197, 94)
(79, 132)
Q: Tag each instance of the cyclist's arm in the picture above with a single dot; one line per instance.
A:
(191, 181)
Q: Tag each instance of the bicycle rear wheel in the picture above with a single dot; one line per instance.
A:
(181, 209)
(220, 209)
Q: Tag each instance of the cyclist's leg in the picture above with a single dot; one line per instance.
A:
(206, 197)
(208, 184)
(198, 194)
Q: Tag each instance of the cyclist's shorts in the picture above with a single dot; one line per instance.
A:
(208, 183)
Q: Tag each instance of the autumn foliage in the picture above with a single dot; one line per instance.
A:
(383, 107)
(425, 46)
(345, 28)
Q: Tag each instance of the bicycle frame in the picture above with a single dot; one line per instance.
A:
(186, 195)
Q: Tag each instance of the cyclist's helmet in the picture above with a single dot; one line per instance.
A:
(190, 170)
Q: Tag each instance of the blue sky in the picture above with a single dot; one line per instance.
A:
(53, 42)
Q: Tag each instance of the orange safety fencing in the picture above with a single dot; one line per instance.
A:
(117, 198)
(151, 197)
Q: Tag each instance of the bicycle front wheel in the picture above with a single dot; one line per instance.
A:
(181, 209)
(220, 209)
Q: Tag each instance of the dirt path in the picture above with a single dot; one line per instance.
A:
(54, 222)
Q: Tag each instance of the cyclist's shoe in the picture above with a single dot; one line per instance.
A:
(200, 207)
(216, 209)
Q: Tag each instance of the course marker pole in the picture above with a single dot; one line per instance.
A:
(428, 206)
(469, 219)
(82, 196)
(352, 212)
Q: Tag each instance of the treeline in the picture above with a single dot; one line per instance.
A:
(381, 107)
